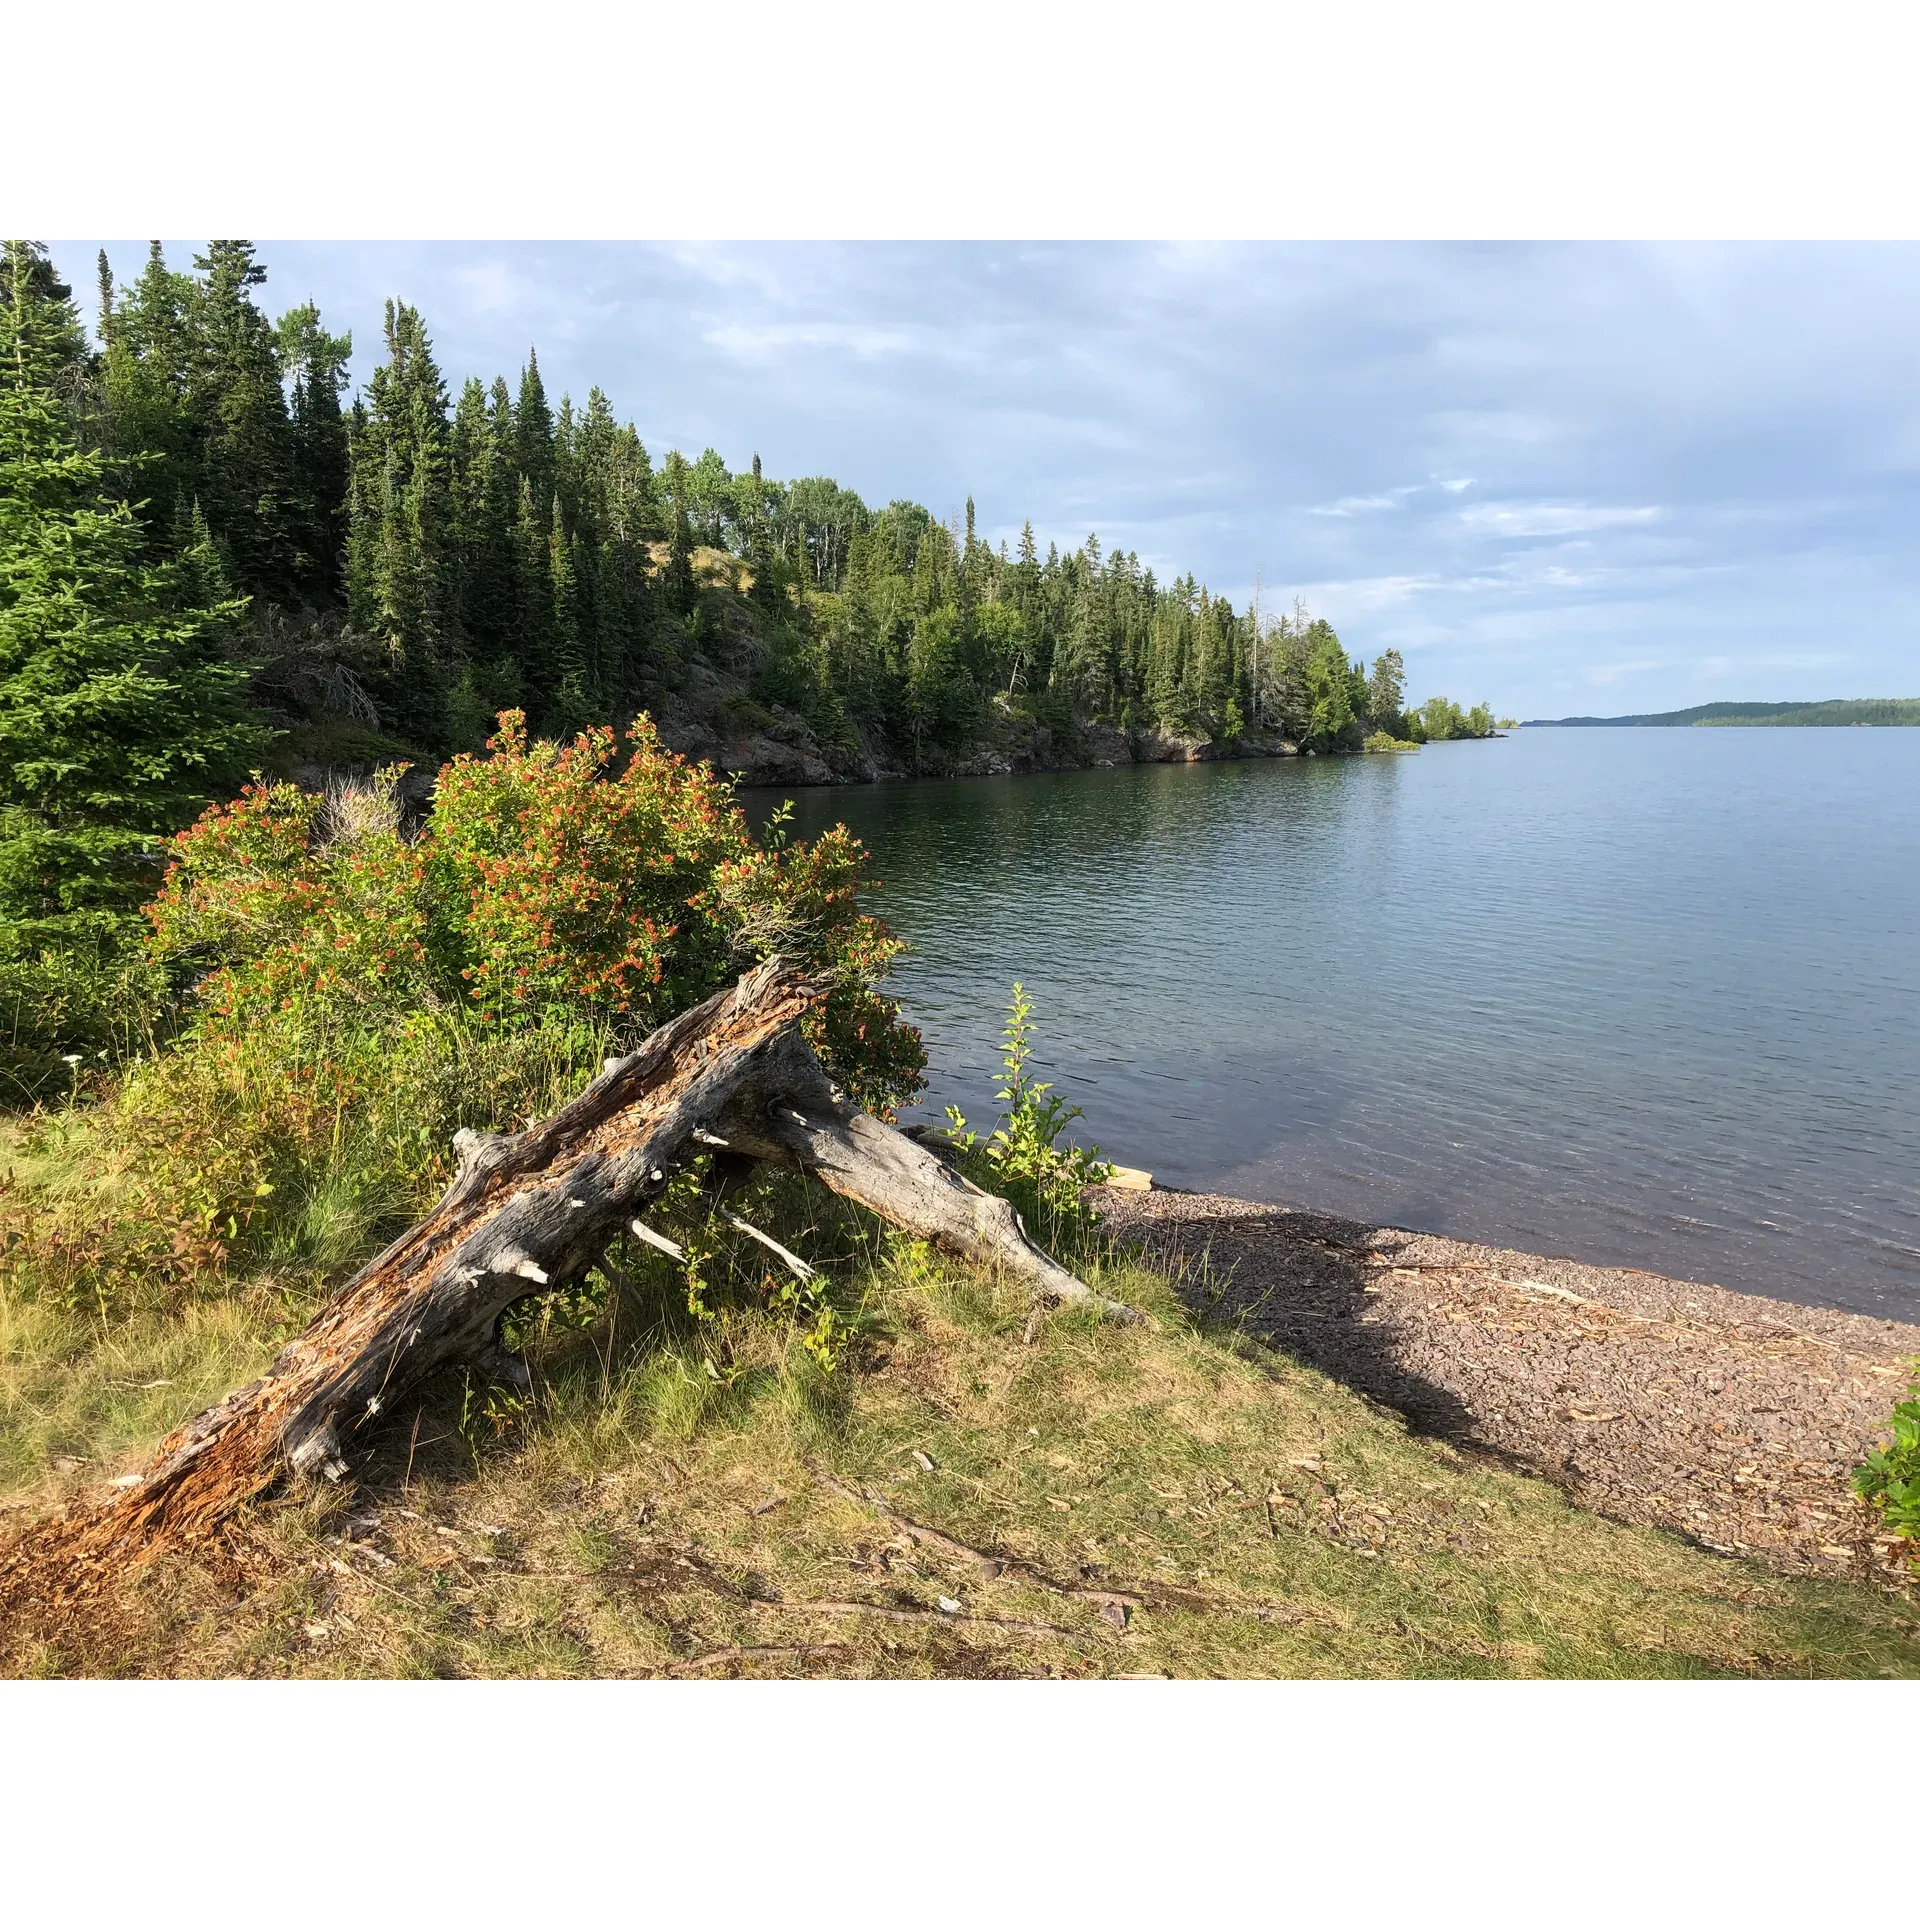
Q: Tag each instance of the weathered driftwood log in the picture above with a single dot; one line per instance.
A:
(814, 1132)
(528, 1212)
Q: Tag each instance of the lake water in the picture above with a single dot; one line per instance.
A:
(1642, 997)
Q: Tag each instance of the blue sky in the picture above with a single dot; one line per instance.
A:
(1567, 478)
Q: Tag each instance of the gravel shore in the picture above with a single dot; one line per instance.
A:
(1732, 1420)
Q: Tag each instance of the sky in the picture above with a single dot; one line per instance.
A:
(1569, 478)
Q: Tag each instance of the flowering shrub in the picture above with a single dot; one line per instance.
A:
(547, 885)
(356, 993)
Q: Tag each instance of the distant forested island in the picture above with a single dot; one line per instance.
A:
(1762, 713)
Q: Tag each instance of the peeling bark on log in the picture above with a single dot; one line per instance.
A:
(528, 1212)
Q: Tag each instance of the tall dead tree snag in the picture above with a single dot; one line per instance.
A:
(528, 1212)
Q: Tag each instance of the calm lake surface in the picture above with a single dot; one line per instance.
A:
(1642, 997)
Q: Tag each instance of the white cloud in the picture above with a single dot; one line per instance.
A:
(1519, 521)
(1610, 671)
(1361, 503)
(771, 340)
(492, 286)
(1385, 590)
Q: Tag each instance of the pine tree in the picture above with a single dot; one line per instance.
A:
(533, 580)
(533, 438)
(491, 604)
(146, 362)
(246, 483)
(682, 593)
(769, 591)
(399, 562)
(318, 363)
(1386, 690)
(120, 715)
(1329, 689)
(574, 696)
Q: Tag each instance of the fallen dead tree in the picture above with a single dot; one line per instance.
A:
(526, 1213)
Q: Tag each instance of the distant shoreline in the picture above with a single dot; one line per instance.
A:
(760, 762)
(1760, 713)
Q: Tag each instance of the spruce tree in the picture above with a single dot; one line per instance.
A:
(533, 438)
(147, 362)
(769, 591)
(533, 578)
(399, 565)
(245, 482)
(120, 714)
(318, 362)
(490, 603)
(682, 594)
(573, 698)
(1386, 690)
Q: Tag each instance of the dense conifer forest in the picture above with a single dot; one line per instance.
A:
(415, 558)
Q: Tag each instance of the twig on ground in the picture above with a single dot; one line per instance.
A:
(992, 1567)
(726, 1656)
(717, 1582)
(795, 1265)
(919, 1615)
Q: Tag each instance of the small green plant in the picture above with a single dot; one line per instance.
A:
(694, 1273)
(1023, 1155)
(1384, 742)
(491, 1402)
(1890, 1477)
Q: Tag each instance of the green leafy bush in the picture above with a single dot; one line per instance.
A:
(1890, 1478)
(1384, 742)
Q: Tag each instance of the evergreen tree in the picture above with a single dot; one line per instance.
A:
(492, 586)
(317, 361)
(399, 563)
(1329, 690)
(769, 591)
(1386, 690)
(574, 696)
(682, 594)
(146, 364)
(533, 438)
(245, 483)
(533, 579)
(120, 714)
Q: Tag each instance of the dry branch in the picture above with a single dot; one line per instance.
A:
(528, 1212)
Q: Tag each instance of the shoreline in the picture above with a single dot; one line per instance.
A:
(1730, 1419)
(788, 755)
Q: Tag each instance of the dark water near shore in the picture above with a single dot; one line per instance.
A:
(1648, 998)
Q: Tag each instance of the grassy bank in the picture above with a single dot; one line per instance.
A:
(699, 1482)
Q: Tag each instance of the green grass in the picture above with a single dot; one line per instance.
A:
(662, 1502)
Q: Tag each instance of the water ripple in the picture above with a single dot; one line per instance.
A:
(1646, 997)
